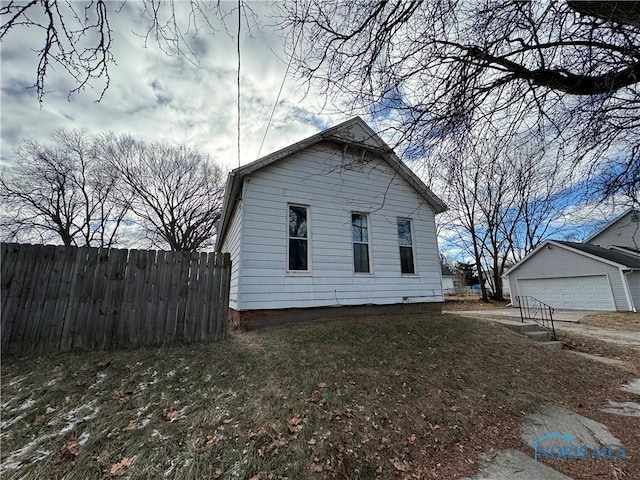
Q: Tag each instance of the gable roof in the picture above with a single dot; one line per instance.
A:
(342, 133)
(446, 271)
(605, 255)
(611, 223)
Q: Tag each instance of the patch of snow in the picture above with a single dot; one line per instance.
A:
(157, 434)
(72, 416)
(28, 403)
(84, 438)
(7, 423)
(16, 458)
(17, 381)
(169, 470)
(102, 376)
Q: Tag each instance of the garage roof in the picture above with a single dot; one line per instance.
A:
(606, 253)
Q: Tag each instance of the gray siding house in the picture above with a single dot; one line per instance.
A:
(335, 220)
(600, 274)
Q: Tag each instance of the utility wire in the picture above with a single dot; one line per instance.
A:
(273, 111)
(238, 78)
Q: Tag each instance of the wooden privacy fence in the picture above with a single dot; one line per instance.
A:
(57, 298)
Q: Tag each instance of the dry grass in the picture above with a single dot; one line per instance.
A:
(458, 303)
(407, 397)
(628, 321)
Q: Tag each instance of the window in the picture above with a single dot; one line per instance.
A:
(360, 234)
(406, 246)
(298, 238)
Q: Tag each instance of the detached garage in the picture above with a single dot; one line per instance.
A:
(578, 276)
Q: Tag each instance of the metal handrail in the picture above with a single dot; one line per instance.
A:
(533, 309)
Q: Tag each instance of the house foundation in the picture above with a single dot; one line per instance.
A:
(257, 319)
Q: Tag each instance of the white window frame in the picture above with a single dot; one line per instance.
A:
(368, 243)
(413, 248)
(308, 239)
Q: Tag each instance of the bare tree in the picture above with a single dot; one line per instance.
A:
(504, 200)
(176, 193)
(60, 192)
(447, 67)
(78, 36)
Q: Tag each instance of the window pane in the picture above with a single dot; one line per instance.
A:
(359, 227)
(361, 257)
(404, 232)
(297, 221)
(406, 260)
(298, 254)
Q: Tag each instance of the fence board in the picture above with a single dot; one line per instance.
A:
(68, 298)
(69, 322)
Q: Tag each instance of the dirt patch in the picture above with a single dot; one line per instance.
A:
(628, 321)
(381, 397)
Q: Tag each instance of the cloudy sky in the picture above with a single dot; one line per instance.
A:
(175, 98)
(156, 96)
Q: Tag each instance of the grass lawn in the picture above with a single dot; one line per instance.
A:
(389, 397)
(629, 321)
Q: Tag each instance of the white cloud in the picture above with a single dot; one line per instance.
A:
(158, 97)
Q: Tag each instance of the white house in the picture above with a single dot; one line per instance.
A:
(601, 274)
(448, 285)
(335, 220)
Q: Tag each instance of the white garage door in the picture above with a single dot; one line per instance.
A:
(572, 293)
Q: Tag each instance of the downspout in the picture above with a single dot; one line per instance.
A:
(625, 286)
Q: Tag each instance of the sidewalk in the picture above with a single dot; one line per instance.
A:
(573, 316)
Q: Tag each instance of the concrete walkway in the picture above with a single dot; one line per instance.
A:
(563, 320)
(554, 427)
(573, 316)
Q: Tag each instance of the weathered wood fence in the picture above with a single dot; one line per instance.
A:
(57, 298)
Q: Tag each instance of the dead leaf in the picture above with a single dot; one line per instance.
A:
(294, 423)
(170, 414)
(72, 446)
(212, 441)
(120, 468)
(322, 385)
(399, 465)
(311, 441)
(39, 420)
(316, 467)
(133, 424)
(124, 397)
(412, 438)
(257, 476)
(342, 470)
(49, 410)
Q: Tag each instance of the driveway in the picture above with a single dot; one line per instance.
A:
(564, 320)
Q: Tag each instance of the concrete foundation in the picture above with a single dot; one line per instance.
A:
(254, 319)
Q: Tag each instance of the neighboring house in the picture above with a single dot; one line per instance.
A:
(601, 274)
(448, 286)
(334, 220)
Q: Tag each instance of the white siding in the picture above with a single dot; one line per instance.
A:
(623, 233)
(557, 262)
(633, 279)
(317, 177)
(233, 245)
